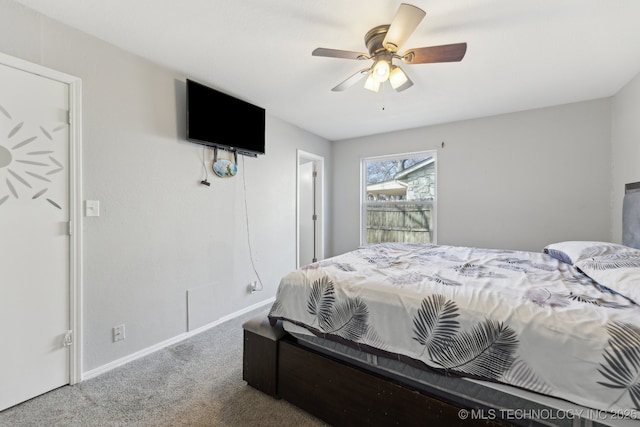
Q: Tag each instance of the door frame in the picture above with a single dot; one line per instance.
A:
(303, 156)
(74, 85)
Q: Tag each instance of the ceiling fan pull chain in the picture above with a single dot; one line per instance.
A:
(384, 99)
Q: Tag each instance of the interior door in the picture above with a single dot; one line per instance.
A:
(34, 248)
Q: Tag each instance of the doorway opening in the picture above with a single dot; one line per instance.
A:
(310, 208)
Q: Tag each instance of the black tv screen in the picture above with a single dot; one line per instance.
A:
(219, 120)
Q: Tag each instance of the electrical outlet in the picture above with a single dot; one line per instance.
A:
(118, 333)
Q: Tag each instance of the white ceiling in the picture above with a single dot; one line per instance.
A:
(521, 54)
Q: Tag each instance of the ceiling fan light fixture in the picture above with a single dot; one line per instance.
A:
(381, 70)
(372, 83)
(397, 77)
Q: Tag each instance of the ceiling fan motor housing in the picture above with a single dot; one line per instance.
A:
(374, 38)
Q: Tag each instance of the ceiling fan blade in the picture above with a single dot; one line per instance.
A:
(335, 53)
(445, 53)
(351, 80)
(403, 25)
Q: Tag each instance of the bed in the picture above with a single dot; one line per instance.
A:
(462, 335)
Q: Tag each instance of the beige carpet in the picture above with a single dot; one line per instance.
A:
(197, 382)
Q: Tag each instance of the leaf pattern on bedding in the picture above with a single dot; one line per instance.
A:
(436, 278)
(521, 375)
(435, 322)
(513, 267)
(321, 299)
(475, 270)
(451, 258)
(513, 260)
(610, 262)
(584, 298)
(599, 250)
(344, 266)
(600, 302)
(519, 264)
(325, 264)
(543, 297)
(610, 298)
(485, 351)
(544, 267)
(347, 319)
(622, 367)
(409, 278)
(383, 261)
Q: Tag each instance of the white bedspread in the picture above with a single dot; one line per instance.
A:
(520, 318)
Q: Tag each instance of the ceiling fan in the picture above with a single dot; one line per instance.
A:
(383, 43)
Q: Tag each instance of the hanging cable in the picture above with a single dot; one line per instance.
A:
(205, 181)
(246, 216)
(315, 214)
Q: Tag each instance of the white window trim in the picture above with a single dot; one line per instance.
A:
(363, 189)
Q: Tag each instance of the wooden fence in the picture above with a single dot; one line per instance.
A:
(406, 222)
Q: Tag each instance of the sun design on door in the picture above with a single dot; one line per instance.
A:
(27, 162)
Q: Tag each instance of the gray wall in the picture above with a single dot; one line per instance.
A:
(160, 232)
(515, 181)
(625, 165)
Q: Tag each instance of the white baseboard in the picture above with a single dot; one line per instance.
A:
(138, 354)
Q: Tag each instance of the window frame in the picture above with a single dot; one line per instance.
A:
(363, 190)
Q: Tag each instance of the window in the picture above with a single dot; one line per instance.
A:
(398, 198)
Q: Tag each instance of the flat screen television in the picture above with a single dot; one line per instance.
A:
(222, 121)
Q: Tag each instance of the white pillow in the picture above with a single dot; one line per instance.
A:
(617, 271)
(571, 252)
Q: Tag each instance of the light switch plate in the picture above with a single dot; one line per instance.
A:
(91, 208)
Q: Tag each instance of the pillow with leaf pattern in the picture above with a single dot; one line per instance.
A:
(618, 271)
(571, 252)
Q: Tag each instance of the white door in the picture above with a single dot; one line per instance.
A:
(34, 240)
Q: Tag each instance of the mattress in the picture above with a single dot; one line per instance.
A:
(561, 323)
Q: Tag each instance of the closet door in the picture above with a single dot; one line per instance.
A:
(34, 230)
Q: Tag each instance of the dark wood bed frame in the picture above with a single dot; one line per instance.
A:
(337, 392)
